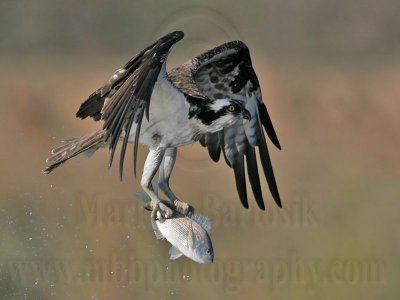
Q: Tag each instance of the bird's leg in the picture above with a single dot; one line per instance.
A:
(166, 168)
(153, 161)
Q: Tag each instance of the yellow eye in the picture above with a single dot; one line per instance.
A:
(231, 108)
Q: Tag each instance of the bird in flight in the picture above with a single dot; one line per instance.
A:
(214, 99)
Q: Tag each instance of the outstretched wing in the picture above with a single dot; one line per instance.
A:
(226, 72)
(125, 98)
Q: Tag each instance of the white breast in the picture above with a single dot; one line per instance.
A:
(169, 124)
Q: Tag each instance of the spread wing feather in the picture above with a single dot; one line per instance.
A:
(226, 72)
(125, 98)
(214, 150)
(252, 170)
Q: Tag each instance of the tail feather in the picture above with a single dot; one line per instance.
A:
(73, 147)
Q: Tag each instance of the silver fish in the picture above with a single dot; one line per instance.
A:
(188, 235)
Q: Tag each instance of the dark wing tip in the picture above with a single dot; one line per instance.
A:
(244, 204)
(172, 37)
(277, 198)
(213, 146)
(267, 124)
(178, 34)
(276, 142)
(278, 201)
(252, 171)
(268, 171)
(214, 153)
(240, 178)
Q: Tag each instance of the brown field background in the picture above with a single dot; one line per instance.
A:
(330, 77)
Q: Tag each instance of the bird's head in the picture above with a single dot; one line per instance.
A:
(221, 113)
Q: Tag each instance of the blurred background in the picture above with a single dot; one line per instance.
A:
(329, 72)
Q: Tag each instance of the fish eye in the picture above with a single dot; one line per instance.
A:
(231, 107)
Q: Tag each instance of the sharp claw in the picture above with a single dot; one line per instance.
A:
(183, 207)
(148, 207)
(154, 215)
(160, 210)
(190, 211)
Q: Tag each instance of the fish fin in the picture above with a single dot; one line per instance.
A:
(174, 253)
(157, 232)
(202, 221)
(142, 196)
(89, 152)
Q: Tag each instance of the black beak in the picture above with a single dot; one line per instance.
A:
(246, 114)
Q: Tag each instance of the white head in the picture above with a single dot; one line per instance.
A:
(221, 113)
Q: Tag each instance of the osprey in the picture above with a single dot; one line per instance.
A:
(214, 98)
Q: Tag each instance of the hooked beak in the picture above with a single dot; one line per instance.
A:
(246, 114)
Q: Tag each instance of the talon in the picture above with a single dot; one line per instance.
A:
(160, 210)
(183, 207)
(148, 207)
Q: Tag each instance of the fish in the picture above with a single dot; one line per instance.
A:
(188, 235)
